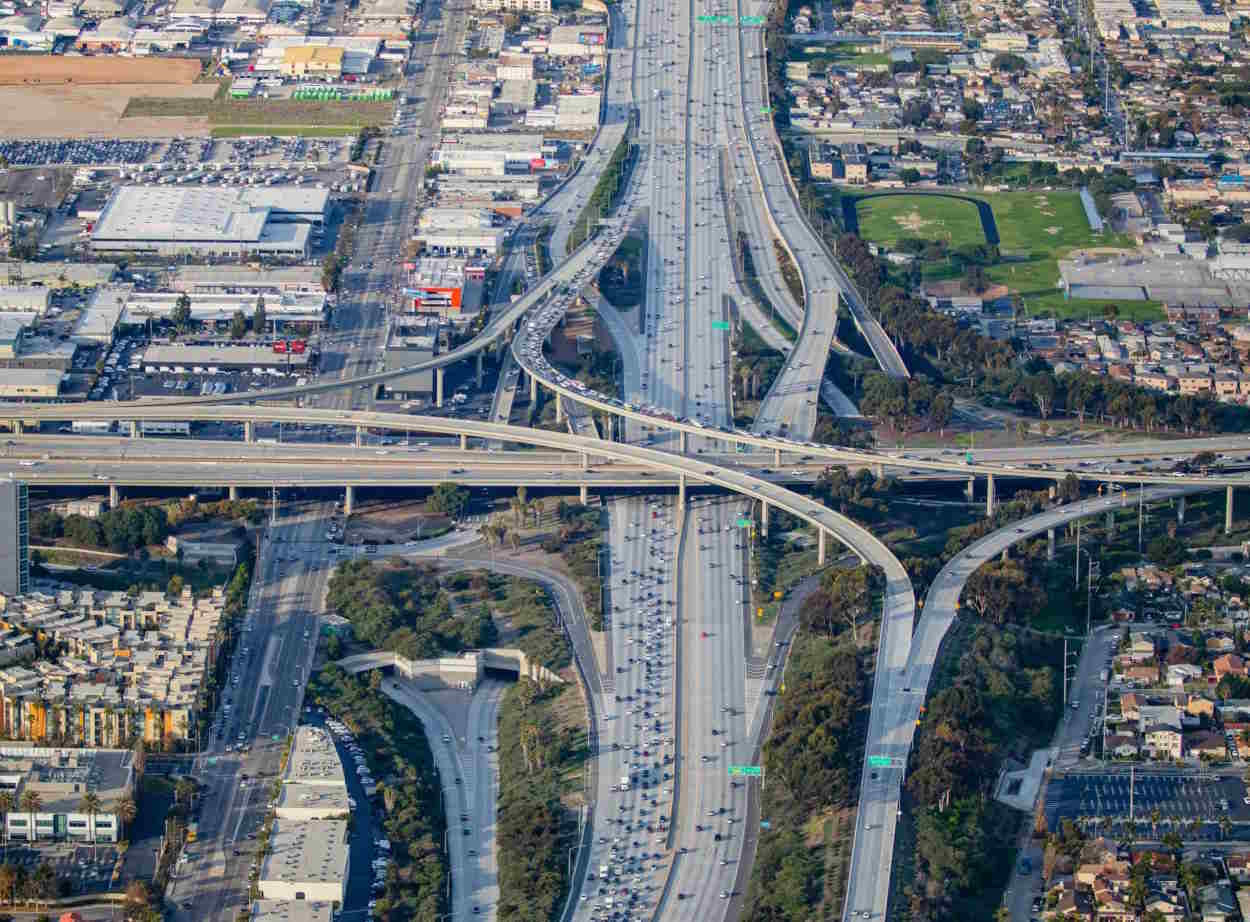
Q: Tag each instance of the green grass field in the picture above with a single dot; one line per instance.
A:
(891, 218)
(1036, 229)
(303, 131)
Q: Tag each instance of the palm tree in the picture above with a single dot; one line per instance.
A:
(90, 805)
(31, 801)
(7, 804)
(8, 882)
(126, 811)
(185, 788)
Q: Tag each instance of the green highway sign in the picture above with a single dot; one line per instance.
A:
(752, 20)
(744, 523)
(753, 771)
(720, 325)
(879, 761)
(766, 109)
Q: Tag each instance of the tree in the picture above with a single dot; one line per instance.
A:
(90, 805)
(1165, 551)
(8, 882)
(259, 319)
(449, 499)
(31, 801)
(238, 325)
(7, 804)
(180, 316)
(174, 587)
(126, 811)
(184, 790)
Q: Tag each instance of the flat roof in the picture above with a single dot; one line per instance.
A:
(13, 378)
(307, 851)
(188, 278)
(314, 759)
(63, 775)
(99, 318)
(13, 322)
(290, 911)
(221, 355)
(323, 797)
(202, 214)
(57, 274)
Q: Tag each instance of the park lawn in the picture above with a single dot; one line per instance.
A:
(847, 56)
(888, 219)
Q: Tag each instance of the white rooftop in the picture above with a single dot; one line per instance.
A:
(290, 911)
(314, 760)
(203, 214)
(311, 851)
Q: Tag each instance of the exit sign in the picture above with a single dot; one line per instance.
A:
(753, 771)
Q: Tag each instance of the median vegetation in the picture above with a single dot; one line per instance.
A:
(398, 753)
(579, 542)
(604, 195)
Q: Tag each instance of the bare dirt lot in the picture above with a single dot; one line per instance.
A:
(75, 110)
(29, 69)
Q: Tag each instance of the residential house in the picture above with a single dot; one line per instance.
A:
(1228, 664)
(1120, 746)
(1205, 743)
(1180, 674)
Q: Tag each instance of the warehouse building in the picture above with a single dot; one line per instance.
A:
(512, 6)
(503, 188)
(577, 112)
(211, 221)
(30, 383)
(411, 340)
(359, 52)
(489, 155)
(312, 802)
(314, 760)
(459, 232)
(312, 61)
(13, 327)
(307, 860)
(305, 310)
(450, 289)
(61, 777)
(255, 280)
(27, 298)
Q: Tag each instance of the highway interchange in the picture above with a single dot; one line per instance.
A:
(676, 695)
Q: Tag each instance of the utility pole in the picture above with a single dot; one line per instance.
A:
(1076, 568)
(1064, 678)
(1141, 502)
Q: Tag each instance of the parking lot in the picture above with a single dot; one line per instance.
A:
(1176, 800)
(74, 863)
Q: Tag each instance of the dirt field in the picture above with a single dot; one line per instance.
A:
(61, 111)
(27, 69)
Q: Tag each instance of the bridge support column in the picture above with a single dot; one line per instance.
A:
(1228, 510)
(360, 436)
(559, 407)
(583, 494)
(878, 471)
(438, 387)
(1110, 524)
(136, 431)
(681, 441)
(970, 490)
(464, 442)
(234, 494)
(115, 496)
(349, 499)
(1006, 555)
(17, 427)
(1052, 492)
(479, 369)
(585, 459)
(1050, 544)
(820, 547)
(989, 495)
(776, 457)
(533, 389)
(765, 509)
(249, 431)
(681, 491)
(1180, 510)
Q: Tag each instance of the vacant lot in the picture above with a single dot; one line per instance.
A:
(890, 218)
(78, 111)
(220, 111)
(26, 69)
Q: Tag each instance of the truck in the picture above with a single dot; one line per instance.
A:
(624, 782)
(1103, 676)
(92, 425)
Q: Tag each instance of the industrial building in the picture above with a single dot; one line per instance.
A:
(578, 41)
(14, 538)
(512, 6)
(211, 221)
(221, 358)
(32, 299)
(306, 310)
(312, 802)
(501, 188)
(13, 327)
(314, 760)
(491, 155)
(61, 777)
(254, 280)
(282, 53)
(312, 61)
(577, 112)
(307, 860)
(459, 232)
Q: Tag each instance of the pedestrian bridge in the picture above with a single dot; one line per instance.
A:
(465, 670)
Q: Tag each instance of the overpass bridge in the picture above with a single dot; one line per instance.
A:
(465, 670)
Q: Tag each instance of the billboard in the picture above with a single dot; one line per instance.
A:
(538, 163)
(590, 38)
(437, 297)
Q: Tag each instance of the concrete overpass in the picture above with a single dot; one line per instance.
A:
(467, 668)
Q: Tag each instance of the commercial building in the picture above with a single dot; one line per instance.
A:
(501, 188)
(283, 911)
(578, 41)
(312, 802)
(13, 327)
(358, 54)
(450, 289)
(314, 760)
(30, 383)
(282, 310)
(14, 538)
(514, 66)
(61, 778)
(211, 221)
(512, 6)
(307, 860)
(247, 279)
(188, 358)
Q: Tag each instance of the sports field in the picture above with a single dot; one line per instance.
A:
(890, 218)
(1035, 230)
